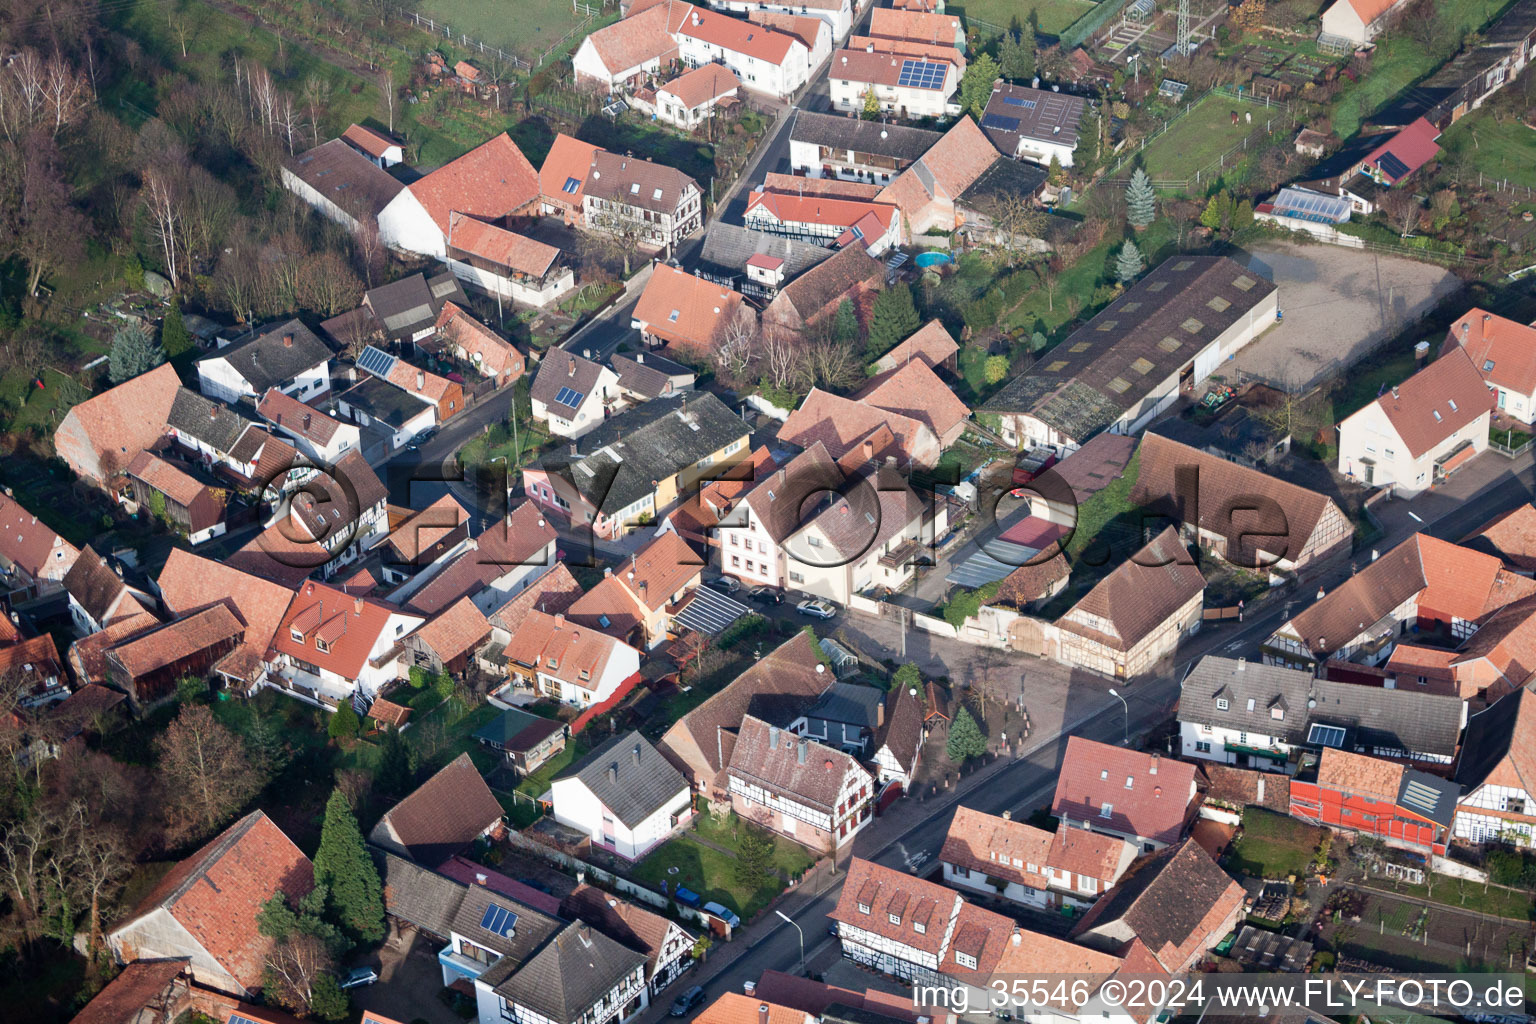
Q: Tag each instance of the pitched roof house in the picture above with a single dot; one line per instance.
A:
(465, 337)
(1243, 713)
(915, 391)
(1504, 353)
(690, 314)
(817, 795)
(1031, 124)
(441, 816)
(776, 689)
(1002, 857)
(490, 182)
(1402, 806)
(447, 641)
(188, 584)
(1497, 774)
(206, 907)
(843, 425)
(1179, 904)
(31, 554)
(1510, 537)
(623, 795)
(577, 666)
(572, 394)
(149, 665)
(579, 975)
(850, 273)
(338, 645)
(1141, 798)
(1137, 614)
(1356, 22)
(1420, 432)
(101, 435)
(340, 183)
(321, 437)
(639, 599)
(97, 594)
(930, 343)
(666, 945)
(287, 356)
(1296, 529)
(928, 192)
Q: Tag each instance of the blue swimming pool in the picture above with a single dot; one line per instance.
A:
(932, 258)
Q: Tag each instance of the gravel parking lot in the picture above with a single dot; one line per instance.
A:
(1338, 304)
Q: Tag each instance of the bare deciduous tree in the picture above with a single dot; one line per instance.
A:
(208, 769)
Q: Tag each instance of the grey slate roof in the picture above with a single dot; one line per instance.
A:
(1049, 116)
(1268, 687)
(419, 895)
(1006, 177)
(1401, 719)
(1491, 738)
(563, 370)
(851, 703)
(531, 929)
(213, 423)
(517, 730)
(650, 442)
(347, 178)
(838, 132)
(629, 776)
(403, 306)
(1429, 795)
(571, 972)
(727, 247)
(1110, 364)
(265, 361)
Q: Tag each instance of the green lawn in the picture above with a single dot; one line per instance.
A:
(537, 784)
(1274, 845)
(1076, 285)
(712, 874)
(1400, 61)
(1500, 151)
(1455, 892)
(529, 28)
(1199, 138)
(1053, 15)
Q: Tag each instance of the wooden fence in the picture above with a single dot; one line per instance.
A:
(437, 28)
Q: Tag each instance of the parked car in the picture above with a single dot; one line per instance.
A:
(687, 897)
(723, 914)
(766, 595)
(1031, 464)
(688, 1001)
(816, 608)
(726, 584)
(357, 977)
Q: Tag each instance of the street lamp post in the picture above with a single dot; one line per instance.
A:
(1127, 732)
(802, 938)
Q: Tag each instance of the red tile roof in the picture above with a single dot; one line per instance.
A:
(1414, 146)
(1511, 536)
(424, 529)
(189, 583)
(916, 26)
(608, 607)
(30, 545)
(491, 181)
(1140, 595)
(686, 310)
(275, 555)
(374, 143)
(348, 626)
(1094, 774)
(179, 486)
(784, 764)
(794, 185)
(141, 983)
(178, 640)
(1357, 773)
(499, 246)
(804, 28)
(88, 655)
(553, 591)
(822, 210)
(840, 423)
(1446, 396)
(492, 354)
(739, 36)
(561, 649)
(705, 83)
(216, 893)
(564, 173)
(456, 631)
(931, 343)
(117, 424)
(1503, 350)
(644, 36)
(914, 390)
(736, 1008)
(471, 873)
(886, 892)
(660, 570)
(291, 414)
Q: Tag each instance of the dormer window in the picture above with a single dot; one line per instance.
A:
(585, 675)
(298, 637)
(1106, 810)
(863, 908)
(894, 918)
(919, 927)
(1222, 704)
(322, 646)
(965, 960)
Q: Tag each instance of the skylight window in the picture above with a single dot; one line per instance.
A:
(1119, 385)
(1244, 283)
(571, 186)
(1219, 304)
(1169, 344)
(1487, 365)
(1106, 810)
(1057, 366)
(1437, 415)
(1142, 366)
(1192, 325)
(1108, 325)
(1081, 346)
(634, 188)
(1452, 402)
(1325, 735)
(656, 194)
(672, 317)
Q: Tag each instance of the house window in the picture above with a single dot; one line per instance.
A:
(1202, 747)
(1129, 781)
(965, 960)
(863, 908)
(735, 561)
(1278, 714)
(1222, 704)
(322, 646)
(298, 637)
(795, 577)
(919, 927)
(894, 918)
(1106, 810)
(1088, 884)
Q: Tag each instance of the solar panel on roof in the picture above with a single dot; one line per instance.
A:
(1019, 101)
(376, 361)
(500, 920)
(1000, 123)
(921, 74)
(1326, 735)
(1392, 166)
(570, 397)
(1420, 797)
(571, 185)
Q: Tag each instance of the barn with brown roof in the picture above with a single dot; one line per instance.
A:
(491, 182)
(441, 817)
(101, 435)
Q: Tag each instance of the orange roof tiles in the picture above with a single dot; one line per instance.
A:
(1444, 397)
(564, 173)
(189, 583)
(739, 36)
(931, 343)
(348, 627)
(456, 631)
(704, 84)
(840, 423)
(561, 649)
(816, 209)
(491, 181)
(374, 143)
(643, 37)
(914, 390)
(30, 545)
(553, 591)
(492, 354)
(735, 1008)
(916, 26)
(291, 414)
(1511, 536)
(804, 28)
(608, 607)
(109, 429)
(500, 246)
(423, 530)
(794, 185)
(183, 638)
(659, 570)
(686, 310)
(1094, 774)
(1356, 773)
(1503, 350)
(167, 478)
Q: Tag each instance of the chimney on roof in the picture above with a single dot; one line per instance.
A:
(309, 588)
(306, 421)
(639, 357)
(1007, 815)
(1242, 663)
(607, 571)
(1487, 317)
(573, 449)
(357, 606)
(1152, 768)
(559, 619)
(637, 755)
(1465, 327)
(762, 1008)
(613, 774)
(287, 341)
(800, 752)
(868, 48)
(869, 451)
(481, 878)
(421, 380)
(570, 370)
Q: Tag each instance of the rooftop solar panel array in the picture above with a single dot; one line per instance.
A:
(1000, 123)
(569, 397)
(922, 74)
(376, 361)
(1312, 205)
(1019, 101)
(1392, 166)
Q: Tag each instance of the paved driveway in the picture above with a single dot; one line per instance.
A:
(409, 981)
(1339, 304)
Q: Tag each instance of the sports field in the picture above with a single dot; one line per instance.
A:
(522, 26)
(1199, 138)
